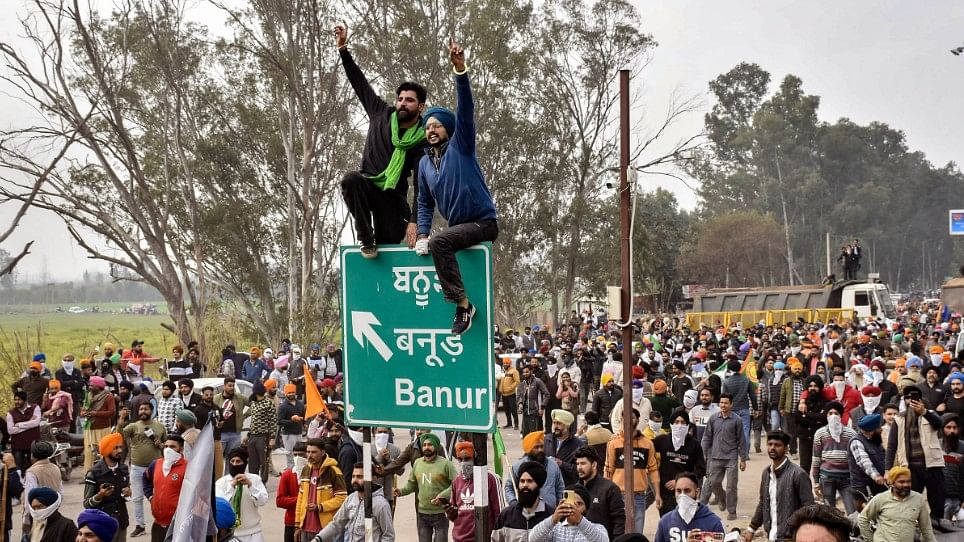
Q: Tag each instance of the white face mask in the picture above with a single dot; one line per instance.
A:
(44, 513)
(170, 457)
(637, 394)
(68, 367)
(937, 359)
(655, 426)
(300, 463)
(870, 404)
(689, 400)
(679, 433)
(381, 441)
(838, 387)
(357, 436)
(686, 506)
(777, 375)
(876, 377)
(835, 426)
(296, 355)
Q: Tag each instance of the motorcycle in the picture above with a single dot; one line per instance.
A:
(68, 448)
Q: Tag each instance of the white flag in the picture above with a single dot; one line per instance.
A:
(193, 519)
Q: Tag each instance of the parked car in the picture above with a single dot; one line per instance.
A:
(76, 310)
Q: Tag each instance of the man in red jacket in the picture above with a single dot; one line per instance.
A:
(287, 497)
(162, 485)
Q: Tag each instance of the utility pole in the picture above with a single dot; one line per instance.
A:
(629, 430)
(829, 270)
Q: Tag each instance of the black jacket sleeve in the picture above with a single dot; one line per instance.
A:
(617, 510)
(369, 99)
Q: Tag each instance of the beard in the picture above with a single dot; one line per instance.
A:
(539, 458)
(902, 491)
(952, 440)
(405, 115)
(528, 497)
(358, 488)
(877, 439)
(144, 417)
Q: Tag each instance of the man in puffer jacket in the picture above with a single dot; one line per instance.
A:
(350, 519)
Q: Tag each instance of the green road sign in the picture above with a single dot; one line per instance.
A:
(403, 366)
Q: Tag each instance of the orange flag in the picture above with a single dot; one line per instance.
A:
(313, 401)
(749, 367)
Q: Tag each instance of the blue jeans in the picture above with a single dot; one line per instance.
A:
(831, 486)
(639, 511)
(775, 420)
(137, 493)
(744, 415)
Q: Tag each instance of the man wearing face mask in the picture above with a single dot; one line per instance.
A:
(771, 385)
(350, 451)
(866, 461)
(246, 493)
(162, 485)
(888, 390)
(645, 470)
(431, 478)
(520, 516)
(145, 440)
(898, 514)
(678, 452)
(830, 467)
(640, 402)
(870, 404)
(460, 509)
(688, 518)
(287, 495)
(47, 524)
(72, 382)
(784, 488)
(844, 393)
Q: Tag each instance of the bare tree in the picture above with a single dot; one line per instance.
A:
(25, 201)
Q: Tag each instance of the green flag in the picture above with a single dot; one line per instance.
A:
(498, 446)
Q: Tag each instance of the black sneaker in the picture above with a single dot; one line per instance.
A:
(463, 319)
(138, 531)
(369, 252)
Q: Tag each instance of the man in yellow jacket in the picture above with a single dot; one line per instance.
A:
(321, 492)
(507, 386)
(645, 470)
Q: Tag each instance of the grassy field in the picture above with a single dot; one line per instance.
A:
(41, 308)
(22, 333)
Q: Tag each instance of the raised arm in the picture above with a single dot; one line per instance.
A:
(369, 99)
(464, 137)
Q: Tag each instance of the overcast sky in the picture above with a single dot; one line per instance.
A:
(868, 60)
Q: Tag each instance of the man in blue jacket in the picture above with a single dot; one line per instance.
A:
(450, 178)
(691, 518)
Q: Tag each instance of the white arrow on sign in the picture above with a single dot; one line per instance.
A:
(361, 324)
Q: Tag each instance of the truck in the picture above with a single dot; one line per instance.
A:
(842, 300)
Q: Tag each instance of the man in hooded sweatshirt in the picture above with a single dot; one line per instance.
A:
(690, 516)
(450, 178)
(460, 509)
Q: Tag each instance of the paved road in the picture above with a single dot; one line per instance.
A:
(273, 518)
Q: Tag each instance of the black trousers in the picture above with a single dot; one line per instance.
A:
(511, 410)
(381, 216)
(933, 480)
(445, 244)
(158, 532)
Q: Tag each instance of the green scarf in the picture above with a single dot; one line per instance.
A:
(236, 505)
(415, 134)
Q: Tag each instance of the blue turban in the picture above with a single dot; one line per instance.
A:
(224, 516)
(98, 521)
(779, 365)
(956, 375)
(446, 117)
(870, 423)
(45, 495)
(40, 357)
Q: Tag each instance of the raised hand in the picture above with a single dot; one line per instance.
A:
(341, 35)
(456, 55)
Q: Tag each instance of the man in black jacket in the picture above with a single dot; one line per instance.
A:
(679, 451)
(561, 445)
(607, 508)
(793, 490)
(375, 195)
(107, 484)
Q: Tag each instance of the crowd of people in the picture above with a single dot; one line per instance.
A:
(859, 420)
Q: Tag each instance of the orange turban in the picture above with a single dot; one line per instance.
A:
(290, 388)
(792, 361)
(36, 365)
(108, 443)
(54, 384)
(270, 384)
(659, 387)
(937, 349)
(530, 440)
(901, 362)
(466, 446)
